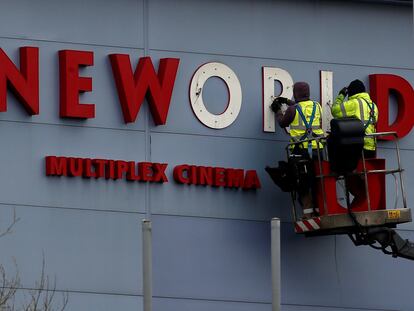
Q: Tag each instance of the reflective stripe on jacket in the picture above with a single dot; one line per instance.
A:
(298, 127)
(359, 106)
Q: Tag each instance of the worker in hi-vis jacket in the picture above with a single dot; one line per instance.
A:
(359, 105)
(304, 117)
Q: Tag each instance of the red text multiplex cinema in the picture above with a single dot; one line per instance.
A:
(151, 172)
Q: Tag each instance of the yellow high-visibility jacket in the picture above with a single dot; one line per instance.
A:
(298, 127)
(362, 107)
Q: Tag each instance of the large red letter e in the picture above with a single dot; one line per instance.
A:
(381, 85)
(133, 87)
(71, 84)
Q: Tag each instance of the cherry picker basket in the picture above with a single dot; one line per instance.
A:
(366, 183)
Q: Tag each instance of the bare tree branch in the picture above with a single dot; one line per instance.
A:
(8, 230)
(41, 298)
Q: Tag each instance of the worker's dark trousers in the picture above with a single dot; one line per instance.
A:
(307, 181)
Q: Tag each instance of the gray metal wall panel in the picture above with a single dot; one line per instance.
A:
(90, 22)
(322, 308)
(24, 179)
(309, 275)
(229, 260)
(88, 302)
(372, 280)
(307, 30)
(86, 250)
(108, 113)
(91, 301)
(179, 199)
(192, 263)
(211, 259)
(165, 304)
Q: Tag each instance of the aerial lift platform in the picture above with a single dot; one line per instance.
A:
(341, 165)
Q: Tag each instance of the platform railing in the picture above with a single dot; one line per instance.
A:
(322, 141)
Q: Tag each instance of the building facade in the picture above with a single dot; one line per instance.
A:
(211, 245)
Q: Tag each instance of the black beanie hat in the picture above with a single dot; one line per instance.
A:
(355, 87)
(301, 91)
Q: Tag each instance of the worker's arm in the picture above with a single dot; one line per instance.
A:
(336, 107)
(284, 120)
(376, 113)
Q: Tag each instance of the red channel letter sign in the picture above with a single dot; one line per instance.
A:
(133, 86)
(381, 87)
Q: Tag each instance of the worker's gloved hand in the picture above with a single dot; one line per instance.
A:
(277, 103)
(344, 91)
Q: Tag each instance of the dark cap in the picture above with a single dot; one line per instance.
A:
(355, 87)
(301, 91)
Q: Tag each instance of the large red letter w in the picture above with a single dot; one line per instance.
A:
(133, 87)
(24, 82)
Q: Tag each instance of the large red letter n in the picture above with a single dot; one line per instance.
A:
(24, 83)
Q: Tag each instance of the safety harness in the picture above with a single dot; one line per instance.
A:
(371, 119)
(309, 134)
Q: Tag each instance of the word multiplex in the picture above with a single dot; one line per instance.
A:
(108, 169)
(151, 172)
